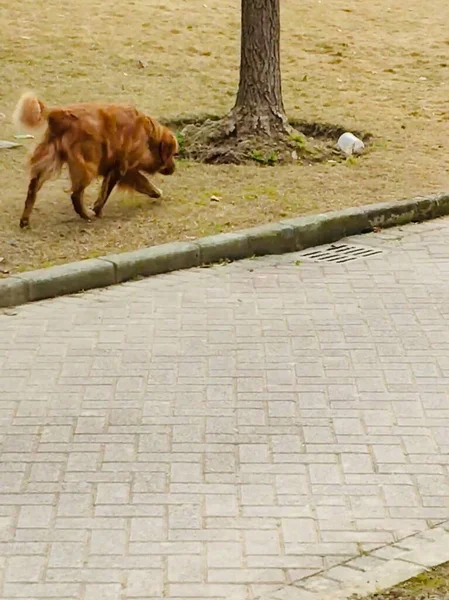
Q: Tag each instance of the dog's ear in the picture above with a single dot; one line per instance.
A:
(168, 146)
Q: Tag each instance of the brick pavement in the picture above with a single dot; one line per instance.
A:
(217, 433)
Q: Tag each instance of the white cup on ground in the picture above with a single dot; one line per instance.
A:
(349, 144)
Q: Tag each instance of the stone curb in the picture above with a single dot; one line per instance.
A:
(379, 570)
(287, 236)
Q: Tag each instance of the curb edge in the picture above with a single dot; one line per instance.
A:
(289, 235)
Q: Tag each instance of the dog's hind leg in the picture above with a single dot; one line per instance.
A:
(138, 182)
(34, 186)
(44, 163)
(109, 183)
(77, 201)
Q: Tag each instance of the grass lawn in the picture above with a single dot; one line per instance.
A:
(430, 585)
(376, 66)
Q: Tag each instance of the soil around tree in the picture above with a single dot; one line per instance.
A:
(215, 140)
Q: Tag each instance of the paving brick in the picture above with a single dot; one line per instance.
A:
(389, 454)
(75, 505)
(145, 584)
(224, 555)
(35, 516)
(56, 433)
(41, 590)
(433, 485)
(45, 472)
(27, 569)
(220, 463)
(149, 482)
(292, 484)
(185, 473)
(185, 516)
(210, 590)
(66, 554)
(400, 495)
(113, 493)
(85, 575)
(108, 542)
(186, 569)
(320, 474)
(246, 576)
(102, 591)
(117, 453)
(357, 463)
(262, 543)
(287, 444)
(221, 505)
(254, 453)
(82, 461)
(257, 495)
(150, 529)
(299, 530)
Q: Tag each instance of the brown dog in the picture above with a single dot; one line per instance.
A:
(112, 141)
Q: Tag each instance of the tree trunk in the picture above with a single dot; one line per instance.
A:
(257, 127)
(259, 108)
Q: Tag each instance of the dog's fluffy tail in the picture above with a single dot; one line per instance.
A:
(30, 112)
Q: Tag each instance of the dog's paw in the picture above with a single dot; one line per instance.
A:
(24, 222)
(156, 193)
(88, 216)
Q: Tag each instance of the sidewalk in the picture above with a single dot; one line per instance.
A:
(222, 432)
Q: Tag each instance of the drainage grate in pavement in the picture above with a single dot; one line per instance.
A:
(339, 253)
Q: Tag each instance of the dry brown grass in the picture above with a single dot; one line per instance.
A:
(361, 63)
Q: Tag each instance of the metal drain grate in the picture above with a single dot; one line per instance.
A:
(339, 253)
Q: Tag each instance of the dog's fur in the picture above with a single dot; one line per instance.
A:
(112, 141)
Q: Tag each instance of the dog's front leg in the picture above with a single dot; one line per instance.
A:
(109, 182)
(138, 182)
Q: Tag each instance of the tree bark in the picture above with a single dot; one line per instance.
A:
(259, 108)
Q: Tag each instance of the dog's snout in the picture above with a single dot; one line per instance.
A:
(168, 169)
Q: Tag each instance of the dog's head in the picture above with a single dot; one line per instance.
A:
(168, 149)
(163, 148)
